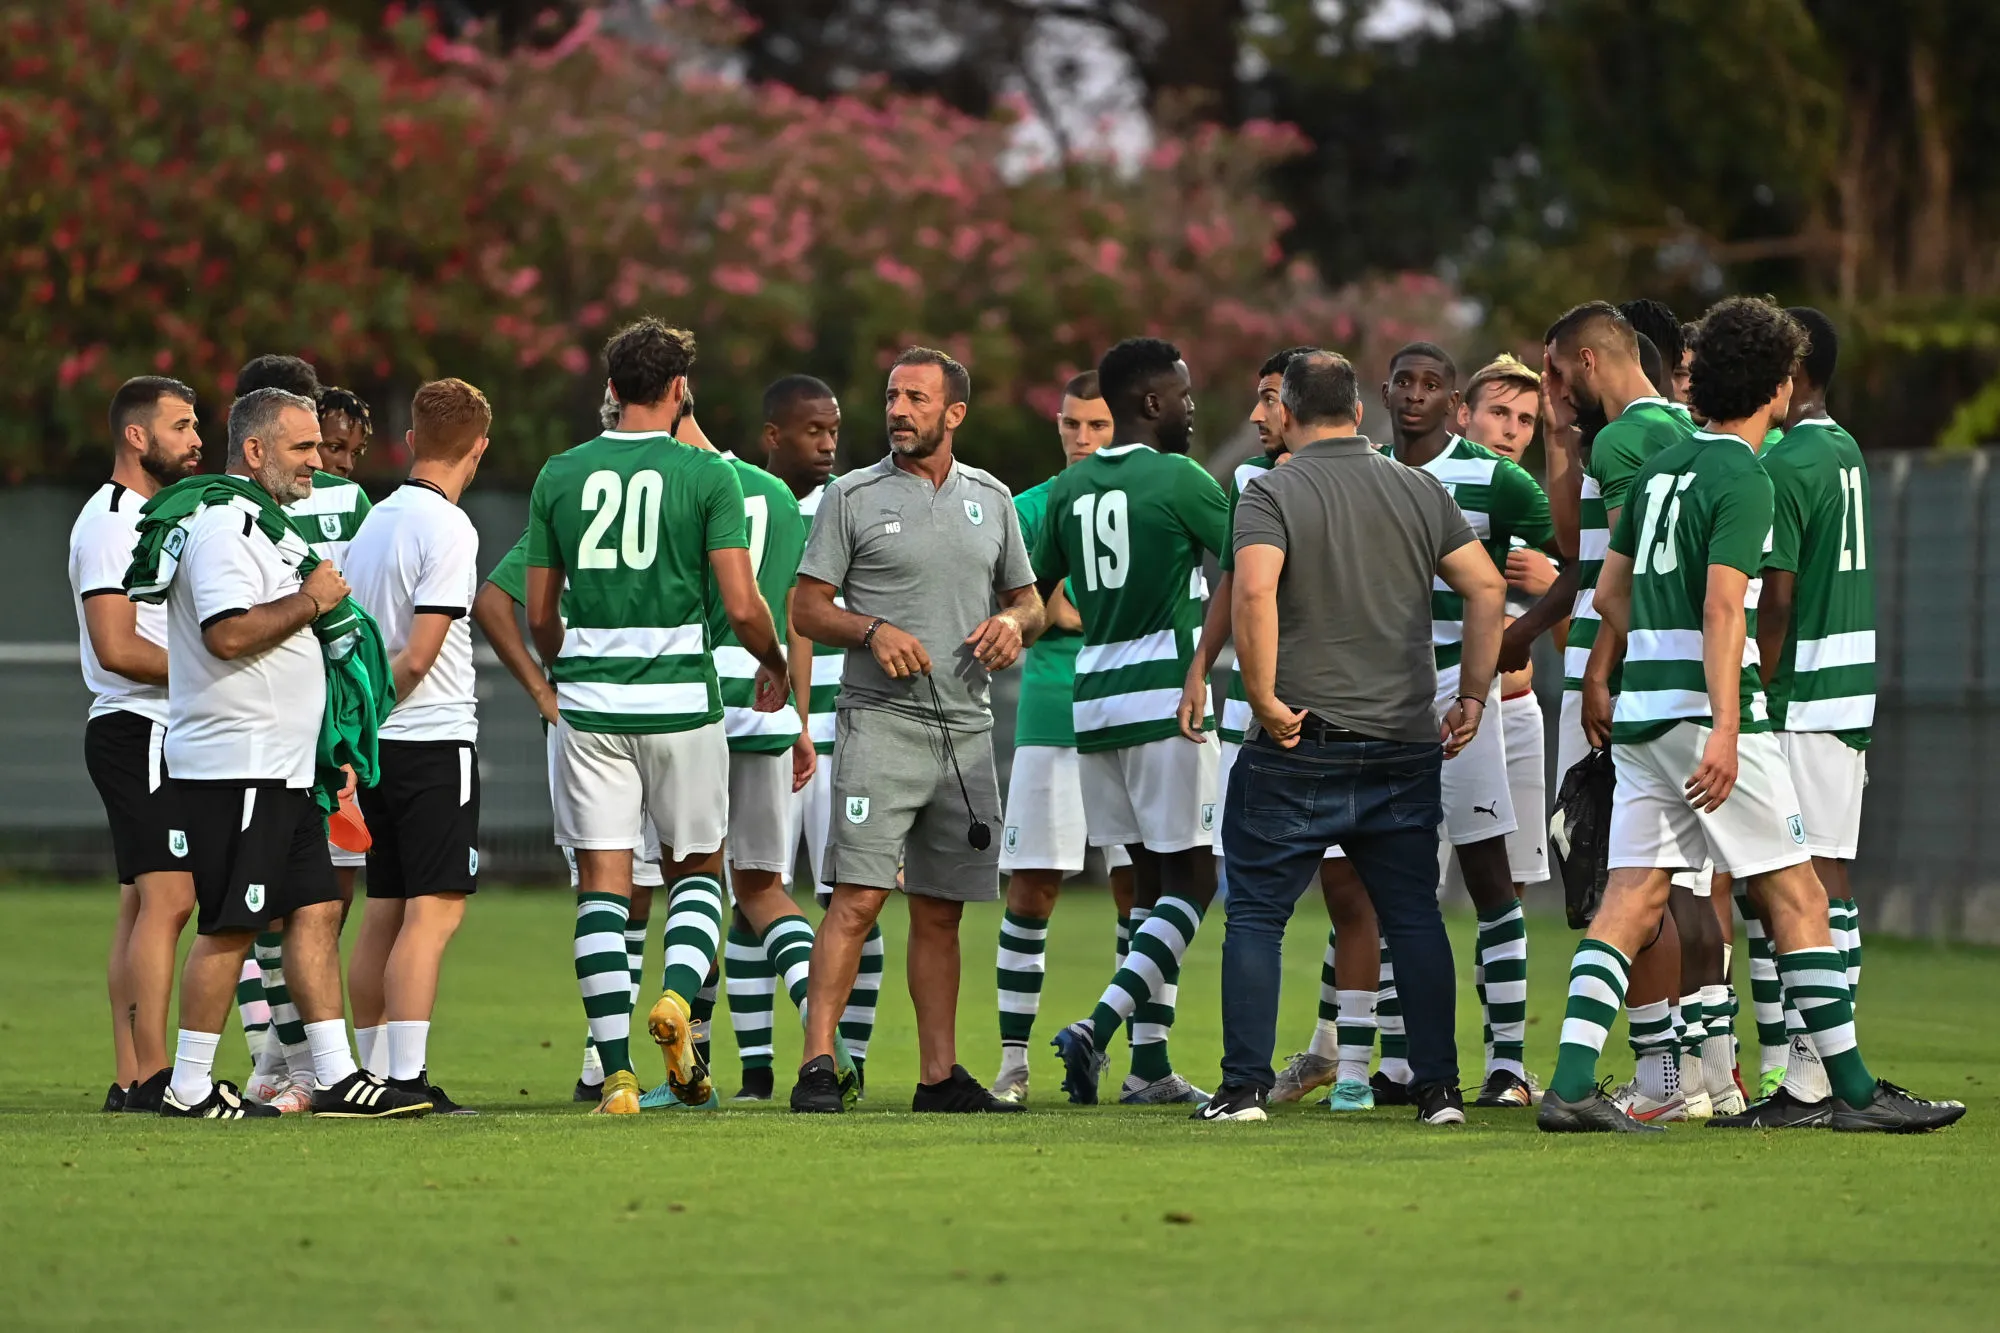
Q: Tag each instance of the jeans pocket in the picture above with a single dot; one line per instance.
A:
(1277, 804)
(1415, 798)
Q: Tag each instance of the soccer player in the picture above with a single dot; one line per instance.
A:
(1816, 649)
(1043, 834)
(1127, 527)
(1700, 775)
(245, 701)
(1502, 503)
(124, 653)
(414, 567)
(633, 521)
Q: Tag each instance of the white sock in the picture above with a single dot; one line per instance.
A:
(267, 1057)
(407, 1042)
(1326, 1040)
(298, 1059)
(593, 1066)
(194, 1061)
(371, 1048)
(1692, 1074)
(1805, 1075)
(332, 1059)
(1357, 1015)
(1658, 1076)
(1396, 1070)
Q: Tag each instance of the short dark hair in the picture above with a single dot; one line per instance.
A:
(1125, 371)
(292, 374)
(256, 414)
(782, 395)
(1083, 387)
(644, 358)
(1747, 347)
(1824, 354)
(1580, 319)
(1277, 363)
(1658, 322)
(138, 396)
(333, 399)
(1320, 388)
(1650, 363)
(957, 379)
(1431, 350)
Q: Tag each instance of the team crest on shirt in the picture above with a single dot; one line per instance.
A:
(1011, 840)
(472, 860)
(1797, 827)
(857, 809)
(176, 540)
(253, 897)
(329, 526)
(177, 842)
(1208, 816)
(974, 512)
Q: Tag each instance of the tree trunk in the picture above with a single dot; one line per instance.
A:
(1930, 221)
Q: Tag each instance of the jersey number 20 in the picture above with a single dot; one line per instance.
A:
(606, 494)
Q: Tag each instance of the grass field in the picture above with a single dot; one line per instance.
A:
(536, 1216)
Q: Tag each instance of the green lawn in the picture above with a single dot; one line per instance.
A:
(536, 1216)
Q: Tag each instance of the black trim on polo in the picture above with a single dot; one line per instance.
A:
(221, 616)
(87, 594)
(449, 612)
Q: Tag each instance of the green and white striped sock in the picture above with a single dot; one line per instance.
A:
(1503, 959)
(1598, 975)
(1019, 965)
(752, 985)
(254, 1012)
(1326, 1029)
(1847, 939)
(1694, 1023)
(1148, 979)
(604, 976)
(1389, 1020)
(635, 955)
(857, 1020)
(1815, 982)
(1766, 996)
(788, 944)
(1124, 942)
(289, 1028)
(694, 935)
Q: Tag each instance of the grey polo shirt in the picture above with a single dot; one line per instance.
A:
(1363, 536)
(929, 560)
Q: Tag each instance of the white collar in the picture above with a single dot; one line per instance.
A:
(1120, 450)
(635, 435)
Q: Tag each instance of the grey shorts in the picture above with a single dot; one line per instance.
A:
(760, 811)
(896, 805)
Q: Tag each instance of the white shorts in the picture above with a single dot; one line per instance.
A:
(1757, 830)
(812, 806)
(1044, 827)
(343, 859)
(761, 811)
(1528, 785)
(603, 786)
(1477, 802)
(1829, 776)
(646, 873)
(1160, 794)
(1571, 744)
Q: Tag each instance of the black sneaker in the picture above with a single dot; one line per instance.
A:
(1440, 1104)
(1388, 1092)
(1893, 1111)
(758, 1085)
(1593, 1113)
(961, 1094)
(222, 1103)
(114, 1099)
(362, 1096)
(145, 1097)
(588, 1092)
(818, 1090)
(1234, 1101)
(1780, 1110)
(432, 1093)
(1506, 1090)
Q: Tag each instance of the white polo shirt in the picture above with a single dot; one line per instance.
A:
(416, 553)
(255, 719)
(100, 551)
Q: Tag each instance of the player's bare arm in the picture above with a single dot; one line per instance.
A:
(265, 626)
(1254, 613)
(750, 616)
(493, 612)
(1723, 630)
(1469, 572)
(545, 622)
(1061, 613)
(1613, 601)
(798, 653)
(1774, 619)
(1215, 631)
(113, 623)
(895, 650)
(1549, 611)
(409, 667)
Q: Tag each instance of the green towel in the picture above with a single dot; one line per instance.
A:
(360, 690)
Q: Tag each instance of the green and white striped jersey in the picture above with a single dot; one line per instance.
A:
(330, 516)
(630, 518)
(1699, 503)
(777, 537)
(1646, 426)
(828, 662)
(1501, 502)
(1821, 532)
(1127, 527)
(1235, 703)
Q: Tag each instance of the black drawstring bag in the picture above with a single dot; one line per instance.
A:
(1580, 835)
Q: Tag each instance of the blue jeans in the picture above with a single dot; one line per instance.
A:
(1379, 801)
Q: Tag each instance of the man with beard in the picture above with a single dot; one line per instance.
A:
(920, 547)
(124, 652)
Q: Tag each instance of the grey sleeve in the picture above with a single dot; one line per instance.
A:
(1014, 570)
(830, 545)
(1259, 522)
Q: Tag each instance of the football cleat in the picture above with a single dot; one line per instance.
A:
(1893, 1111)
(1506, 1089)
(587, 1092)
(674, 1031)
(265, 1084)
(1388, 1092)
(1770, 1081)
(362, 1096)
(1646, 1109)
(1301, 1074)
(1729, 1103)
(1011, 1083)
(294, 1096)
(621, 1094)
(1083, 1063)
(1780, 1110)
(1160, 1092)
(1351, 1094)
(222, 1103)
(1593, 1113)
(662, 1099)
(758, 1086)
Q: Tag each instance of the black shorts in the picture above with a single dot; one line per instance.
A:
(124, 755)
(423, 814)
(259, 853)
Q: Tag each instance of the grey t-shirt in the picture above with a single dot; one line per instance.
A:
(1363, 536)
(929, 560)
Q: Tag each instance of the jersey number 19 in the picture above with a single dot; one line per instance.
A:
(1102, 521)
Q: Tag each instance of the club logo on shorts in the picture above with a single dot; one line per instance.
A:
(253, 897)
(177, 842)
(974, 512)
(472, 860)
(857, 809)
(1797, 828)
(1011, 840)
(329, 526)
(1208, 816)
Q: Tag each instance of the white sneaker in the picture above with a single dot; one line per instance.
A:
(1011, 1083)
(1729, 1102)
(1301, 1075)
(1641, 1107)
(296, 1095)
(1160, 1092)
(265, 1085)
